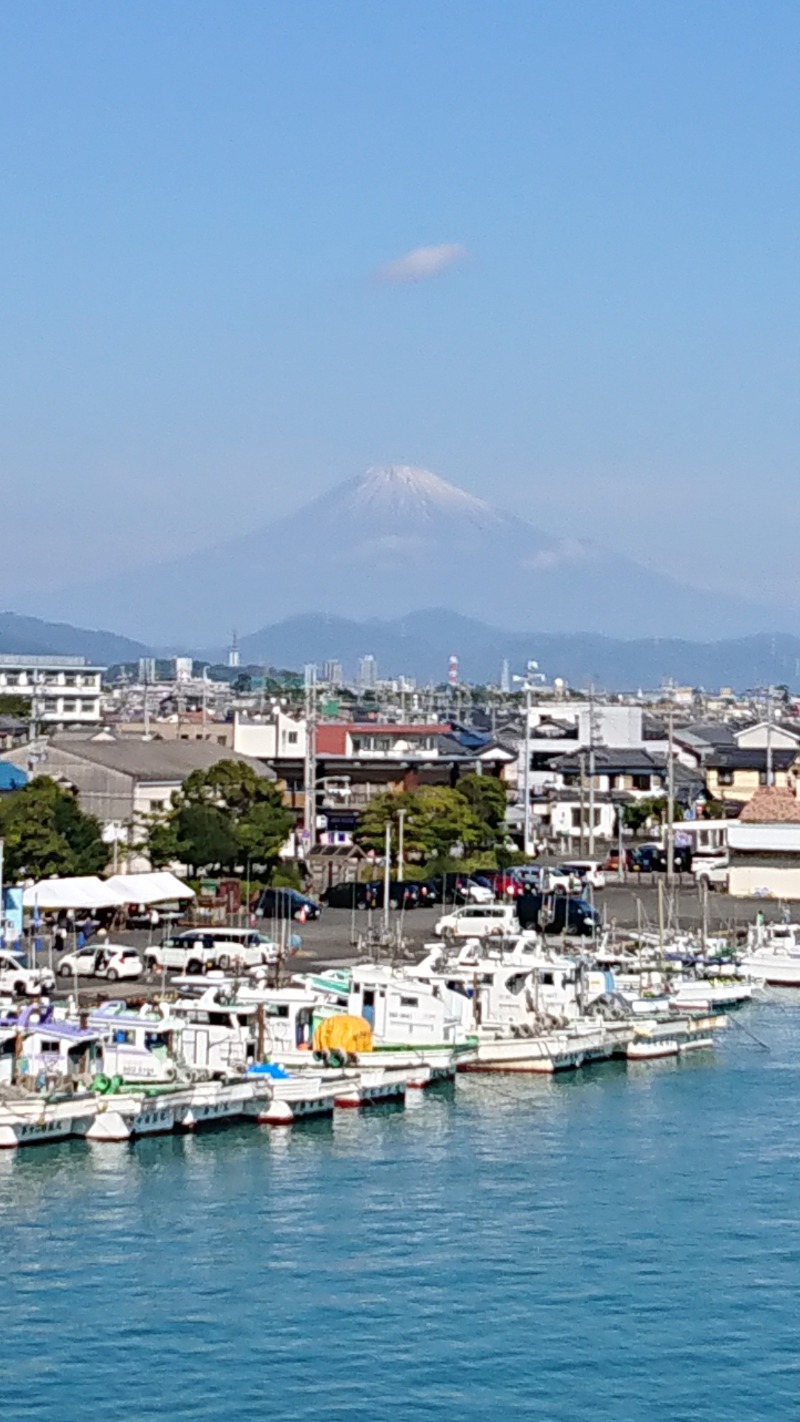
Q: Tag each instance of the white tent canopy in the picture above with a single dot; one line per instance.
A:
(156, 887)
(85, 891)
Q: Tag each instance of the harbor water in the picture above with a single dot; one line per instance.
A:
(619, 1245)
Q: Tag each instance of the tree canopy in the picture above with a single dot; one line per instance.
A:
(220, 818)
(46, 832)
(436, 818)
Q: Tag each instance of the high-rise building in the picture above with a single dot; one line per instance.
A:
(183, 669)
(452, 671)
(367, 673)
(233, 651)
(332, 673)
(505, 676)
(147, 669)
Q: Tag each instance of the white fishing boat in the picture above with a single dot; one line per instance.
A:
(122, 1116)
(656, 1039)
(40, 1118)
(410, 1027)
(373, 1086)
(773, 954)
(294, 1096)
(213, 1102)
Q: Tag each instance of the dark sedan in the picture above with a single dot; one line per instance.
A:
(285, 904)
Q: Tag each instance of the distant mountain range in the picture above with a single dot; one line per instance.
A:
(397, 539)
(420, 644)
(20, 635)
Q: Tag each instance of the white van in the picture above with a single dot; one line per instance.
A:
(478, 921)
(197, 949)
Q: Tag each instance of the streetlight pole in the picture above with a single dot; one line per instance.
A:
(387, 874)
(401, 816)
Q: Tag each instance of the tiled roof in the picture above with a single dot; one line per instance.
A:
(772, 805)
(158, 761)
(751, 758)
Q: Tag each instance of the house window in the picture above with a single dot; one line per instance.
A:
(156, 804)
(576, 818)
(220, 740)
(724, 777)
(291, 737)
(640, 782)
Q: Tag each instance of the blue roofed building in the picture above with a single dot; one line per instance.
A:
(11, 778)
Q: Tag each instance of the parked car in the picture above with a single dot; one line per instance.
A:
(478, 921)
(109, 960)
(403, 894)
(351, 895)
(652, 859)
(611, 861)
(457, 888)
(287, 903)
(587, 871)
(503, 883)
(17, 975)
(197, 950)
(545, 879)
(558, 913)
(712, 873)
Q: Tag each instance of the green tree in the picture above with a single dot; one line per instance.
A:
(17, 707)
(636, 814)
(205, 838)
(436, 819)
(46, 832)
(448, 820)
(488, 800)
(220, 818)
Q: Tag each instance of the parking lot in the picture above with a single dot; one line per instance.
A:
(342, 936)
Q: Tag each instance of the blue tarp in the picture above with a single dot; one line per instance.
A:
(10, 777)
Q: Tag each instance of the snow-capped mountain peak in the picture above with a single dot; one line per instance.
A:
(401, 488)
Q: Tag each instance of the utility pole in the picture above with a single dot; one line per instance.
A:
(583, 801)
(527, 682)
(526, 831)
(670, 798)
(591, 772)
(769, 736)
(146, 704)
(310, 768)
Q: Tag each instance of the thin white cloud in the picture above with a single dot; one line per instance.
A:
(422, 263)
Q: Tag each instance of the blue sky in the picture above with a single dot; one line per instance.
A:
(196, 200)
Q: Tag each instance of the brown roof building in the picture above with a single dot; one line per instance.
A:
(772, 805)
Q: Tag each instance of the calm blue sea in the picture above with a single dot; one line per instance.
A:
(621, 1244)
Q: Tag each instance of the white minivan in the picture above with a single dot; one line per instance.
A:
(198, 949)
(478, 921)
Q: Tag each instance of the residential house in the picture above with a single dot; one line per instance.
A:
(735, 773)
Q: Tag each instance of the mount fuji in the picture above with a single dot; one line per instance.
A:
(398, 540)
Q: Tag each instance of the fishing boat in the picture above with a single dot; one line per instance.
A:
(773, 954)
(295, 1096)
(45, 1071)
